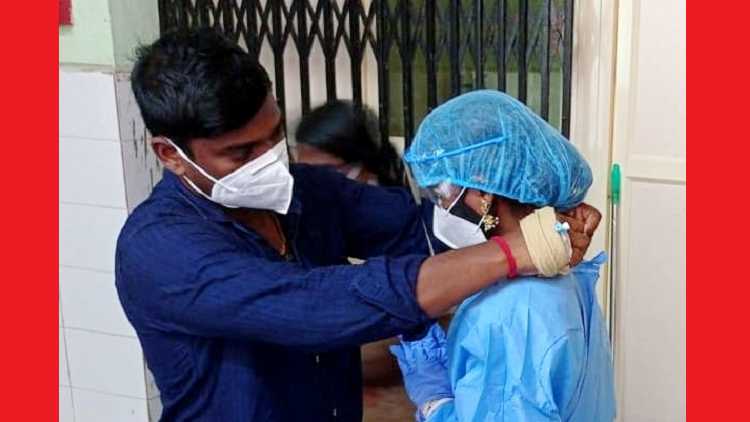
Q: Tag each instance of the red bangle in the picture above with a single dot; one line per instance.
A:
(512, 266)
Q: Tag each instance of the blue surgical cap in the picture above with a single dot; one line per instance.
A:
(490, 141)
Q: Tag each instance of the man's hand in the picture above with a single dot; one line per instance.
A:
(590, 216)
(583, 221)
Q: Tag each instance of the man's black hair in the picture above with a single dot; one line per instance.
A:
(197, 83)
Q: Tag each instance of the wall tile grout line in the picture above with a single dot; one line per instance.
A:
(90, 331)
(95, 270)
(107, 393)
(73, 402)
(109, 207)
(67, 362)
(65, 341)
(120, 140)
(65, 138)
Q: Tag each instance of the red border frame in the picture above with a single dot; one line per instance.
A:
(718, 292)
(29, 258)
(718, 296)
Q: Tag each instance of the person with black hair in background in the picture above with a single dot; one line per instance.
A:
(345, 136)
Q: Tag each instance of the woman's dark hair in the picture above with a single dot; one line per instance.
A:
(197, 83)
(350, 132)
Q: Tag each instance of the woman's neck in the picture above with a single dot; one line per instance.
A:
(510, 215)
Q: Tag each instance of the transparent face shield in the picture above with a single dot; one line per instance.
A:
(454, 223)
(444, 194)
(448, 198)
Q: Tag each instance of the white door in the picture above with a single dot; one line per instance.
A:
(629, 108)
(649, 142)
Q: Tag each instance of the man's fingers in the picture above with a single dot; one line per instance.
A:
(587, 215)
(592, 218)
(583, 221)
(576, 258)
(579, 240)
(575, 224)
(580, 243)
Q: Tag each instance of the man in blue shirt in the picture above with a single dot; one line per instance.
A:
(233, 272)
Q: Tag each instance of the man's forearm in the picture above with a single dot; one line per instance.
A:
(446, 279)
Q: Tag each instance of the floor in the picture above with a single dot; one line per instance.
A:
(387, 404)
(384, 397)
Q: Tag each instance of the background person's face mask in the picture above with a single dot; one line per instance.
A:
(263, 183)
(454, 231)
(355, 171)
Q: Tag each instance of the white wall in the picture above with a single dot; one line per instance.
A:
(649, 143)
(102, 373)
(105, 170)
(89, 39)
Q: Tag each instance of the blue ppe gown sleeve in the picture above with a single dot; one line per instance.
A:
(531, 350)
(479, 393)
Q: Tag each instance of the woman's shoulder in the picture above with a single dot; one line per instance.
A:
(528, 305)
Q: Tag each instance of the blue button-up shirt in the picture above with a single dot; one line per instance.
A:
(232, 331)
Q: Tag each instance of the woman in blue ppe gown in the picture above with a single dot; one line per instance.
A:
(530, 349)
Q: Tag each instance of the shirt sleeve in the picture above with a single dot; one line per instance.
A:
(211, 288)
(380, 221)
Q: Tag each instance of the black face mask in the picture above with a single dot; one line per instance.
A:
(460, 209)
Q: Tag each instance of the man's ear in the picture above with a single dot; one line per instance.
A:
(168, 155)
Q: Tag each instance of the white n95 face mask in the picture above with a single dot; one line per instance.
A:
(455, 231)
(263, 183)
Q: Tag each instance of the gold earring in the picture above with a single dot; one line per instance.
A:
(488, 221)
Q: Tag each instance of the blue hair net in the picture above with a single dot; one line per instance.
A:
(490, 141)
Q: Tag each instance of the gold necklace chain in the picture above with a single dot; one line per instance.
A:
(281, 234)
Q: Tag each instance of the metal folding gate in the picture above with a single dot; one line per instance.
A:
(431, 49)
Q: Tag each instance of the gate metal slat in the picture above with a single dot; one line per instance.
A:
(454, 43)
(567, 67)
(545, 70)
(523, 31)
(383, 43)
(431, 55)
(479, 43)
(329, 50)
(355, 51)
(502, 20)
(407, 56)
(277, 46)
